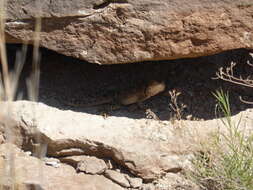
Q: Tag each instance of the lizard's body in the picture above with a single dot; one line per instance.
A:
(131, 97)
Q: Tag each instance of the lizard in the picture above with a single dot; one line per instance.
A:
(133, 96)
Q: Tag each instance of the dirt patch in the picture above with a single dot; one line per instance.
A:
(65, 79)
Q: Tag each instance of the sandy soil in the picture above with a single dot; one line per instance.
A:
(64, 79)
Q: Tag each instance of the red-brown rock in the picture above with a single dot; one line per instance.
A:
(124, 31)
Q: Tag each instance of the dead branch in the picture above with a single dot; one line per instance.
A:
(227, 74)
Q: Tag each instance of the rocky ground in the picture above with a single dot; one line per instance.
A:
(84, 151)
(99, 148)
(53, 145)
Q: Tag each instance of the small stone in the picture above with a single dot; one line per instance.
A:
(135, 182)
(189, 117)
(117, 178)
(148, 187)
(28, 153)
(48, 159)
(91, 165)
(52, 162)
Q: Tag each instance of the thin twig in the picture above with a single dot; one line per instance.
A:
(244, 101)
(228, 75)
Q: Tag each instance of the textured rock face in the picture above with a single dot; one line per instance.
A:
(123, 31)
(146, 148)
(115, 152)
(147, 153)
(32, 173)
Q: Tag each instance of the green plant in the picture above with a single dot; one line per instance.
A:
(227, 162)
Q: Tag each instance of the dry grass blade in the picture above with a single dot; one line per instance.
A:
(9, 166)
(33, 81)
(5, 70)
(8, 87)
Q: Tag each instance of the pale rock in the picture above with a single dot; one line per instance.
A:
(87, 164)
(146, 150)
(31, 173)
(117, 177)
(52, 162)
(135, 182)
(148, 187)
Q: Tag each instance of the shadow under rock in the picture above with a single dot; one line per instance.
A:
(65, 79)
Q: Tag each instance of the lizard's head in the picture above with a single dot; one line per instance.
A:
(154, 88)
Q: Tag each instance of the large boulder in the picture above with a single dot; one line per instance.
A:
(123, 31)
(147, 149)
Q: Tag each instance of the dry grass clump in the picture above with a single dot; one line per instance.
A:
(228, 163)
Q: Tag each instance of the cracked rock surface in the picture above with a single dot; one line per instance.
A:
(119, 152)
(126, 31)
(146, 153)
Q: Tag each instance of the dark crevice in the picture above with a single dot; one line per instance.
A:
(105, 3)
(102, 5)
(65, 79)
